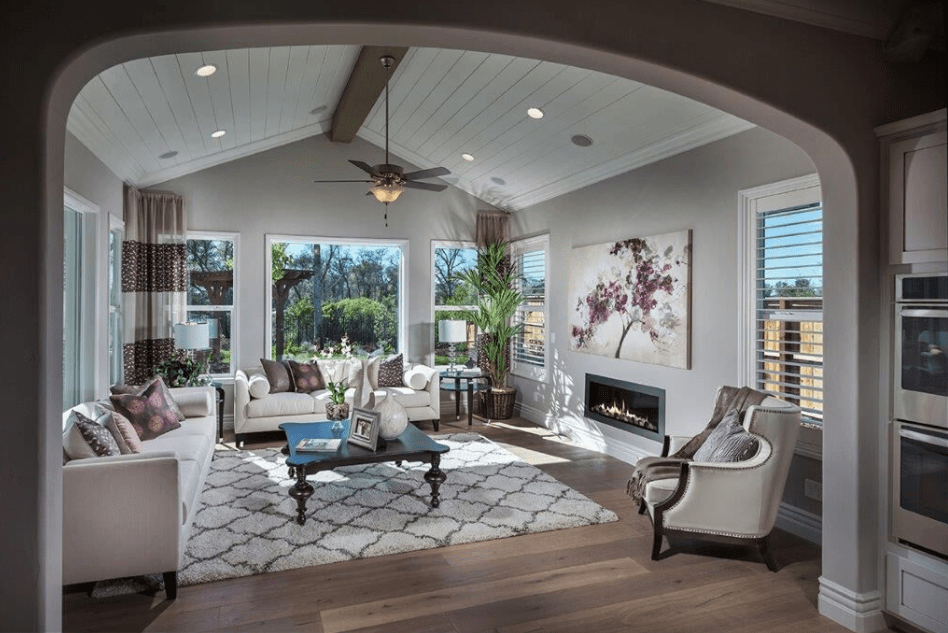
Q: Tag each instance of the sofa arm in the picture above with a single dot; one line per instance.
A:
(241, 399)
(434, 389)
(195, 402)
(721, 498)
(122, 516)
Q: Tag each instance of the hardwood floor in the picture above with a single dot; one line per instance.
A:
(599, 578)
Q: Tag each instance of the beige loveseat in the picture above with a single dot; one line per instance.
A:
(256, 410)
(131, 515)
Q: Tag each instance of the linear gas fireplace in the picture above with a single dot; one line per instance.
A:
(626, 405)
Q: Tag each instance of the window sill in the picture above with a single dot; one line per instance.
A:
(810, 442)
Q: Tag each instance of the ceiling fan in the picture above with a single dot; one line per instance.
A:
(390, 180)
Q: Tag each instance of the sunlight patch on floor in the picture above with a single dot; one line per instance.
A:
(546, 434)
(534, 458)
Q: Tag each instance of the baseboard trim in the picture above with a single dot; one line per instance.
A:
(798, 522)
(859, 612)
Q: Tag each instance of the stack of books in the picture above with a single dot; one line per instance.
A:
(318, 445)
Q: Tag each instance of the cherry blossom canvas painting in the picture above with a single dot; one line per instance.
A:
(631, 299)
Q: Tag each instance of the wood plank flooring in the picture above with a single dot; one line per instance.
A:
(599, 578)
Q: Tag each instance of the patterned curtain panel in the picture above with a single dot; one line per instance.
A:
(154, 278)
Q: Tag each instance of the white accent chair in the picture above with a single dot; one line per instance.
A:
(734, 502)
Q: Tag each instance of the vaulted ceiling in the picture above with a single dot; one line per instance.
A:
(151, 120)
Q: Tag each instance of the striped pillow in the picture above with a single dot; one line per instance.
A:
(728, 442)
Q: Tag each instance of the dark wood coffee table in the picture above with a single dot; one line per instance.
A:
(410, 446)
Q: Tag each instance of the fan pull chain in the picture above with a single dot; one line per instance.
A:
(386, 215)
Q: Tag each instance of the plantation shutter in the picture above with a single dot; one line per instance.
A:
(789, 307)
(529, 350)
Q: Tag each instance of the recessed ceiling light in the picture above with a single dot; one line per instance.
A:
(467, 157)
(218, 133)
(168, 155)
(318, 109)
(581, 140)
(206, 70)
(498, 181)
(535, 113)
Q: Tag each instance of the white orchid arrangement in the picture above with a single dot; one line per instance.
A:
(336, 386)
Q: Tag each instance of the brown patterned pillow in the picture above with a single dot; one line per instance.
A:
(138, 390)
(149, 413)
(75, 445)
(278, 375)
(306, 376)
(97, 436)
(124, 433)
(391, 372)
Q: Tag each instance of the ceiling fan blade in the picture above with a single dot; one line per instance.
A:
(427, 173)
(365, 167)
(427, 186)
(343, 181)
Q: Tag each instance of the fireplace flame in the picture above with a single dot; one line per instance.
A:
(624, 415)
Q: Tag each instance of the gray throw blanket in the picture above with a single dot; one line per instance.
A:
(649, 469)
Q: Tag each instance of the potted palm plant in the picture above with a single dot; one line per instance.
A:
(497, 301)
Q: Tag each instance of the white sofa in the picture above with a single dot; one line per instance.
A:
(263, 411)
(131, 515)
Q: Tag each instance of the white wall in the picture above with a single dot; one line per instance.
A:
(273, 193)
(698, 191)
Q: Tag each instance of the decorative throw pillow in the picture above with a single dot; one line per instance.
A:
(97, 436)
(728, 442)
(372, 371)
(278, 373)
(149, 413)
(390, 372)
(306, 376)
(259, 386)
(75, 444)
(138, 390)
(418, 376)
(124, 433)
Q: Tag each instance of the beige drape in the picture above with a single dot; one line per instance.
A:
(154, 278)
(492, 227)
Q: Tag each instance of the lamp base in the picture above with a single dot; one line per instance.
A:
(452, 354)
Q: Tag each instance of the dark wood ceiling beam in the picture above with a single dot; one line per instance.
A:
(365, 84)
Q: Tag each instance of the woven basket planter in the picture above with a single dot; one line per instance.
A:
(498, 405)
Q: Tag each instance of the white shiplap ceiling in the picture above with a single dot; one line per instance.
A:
(443, 103)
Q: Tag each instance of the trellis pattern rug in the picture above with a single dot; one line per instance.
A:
(246, 523)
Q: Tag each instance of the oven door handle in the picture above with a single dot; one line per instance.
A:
(924, 438)
(924, 312)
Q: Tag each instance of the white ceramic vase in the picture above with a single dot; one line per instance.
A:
(394, 418)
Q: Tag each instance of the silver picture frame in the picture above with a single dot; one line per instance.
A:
(364, 428)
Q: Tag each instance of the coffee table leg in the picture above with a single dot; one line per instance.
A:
(435, 477)
(301, 491)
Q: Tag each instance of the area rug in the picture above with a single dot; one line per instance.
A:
(246, 523)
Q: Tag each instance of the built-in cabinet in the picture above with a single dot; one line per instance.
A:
(914, 210)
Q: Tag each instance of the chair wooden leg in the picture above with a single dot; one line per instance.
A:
(767, 555)
(171, 584)
(436, 424)
(657, 543)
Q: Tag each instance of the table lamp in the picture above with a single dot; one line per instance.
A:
(452, 332)
(192, 336)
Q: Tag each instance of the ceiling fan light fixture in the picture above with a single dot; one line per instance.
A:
(387, 193)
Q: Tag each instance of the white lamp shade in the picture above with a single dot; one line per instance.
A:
(212, 328)
(452, 331)
(191, 335)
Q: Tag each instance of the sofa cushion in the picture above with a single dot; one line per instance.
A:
(278, 375)
(189, 447)
(149, 413)
(281, 404)
(728, 442)
(306, 376)
(660, 489)
(258, 385)
(391, 371)
(405, 396)
(124, 433)
(86, 438)
(138, 390)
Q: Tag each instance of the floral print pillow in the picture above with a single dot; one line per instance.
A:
(149, 413)
(306, 377)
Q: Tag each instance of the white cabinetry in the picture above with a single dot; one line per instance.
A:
(917, 590)
(915, 184)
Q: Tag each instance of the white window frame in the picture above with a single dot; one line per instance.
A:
(780, 195)
(350, 241)
(435, 245)
(116, 225)
(233, 308)
(519, 247)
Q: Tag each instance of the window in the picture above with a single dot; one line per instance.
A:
(451, 295)
(529, 349)
(116, 235)
(79, 306)
(324, 288)
(783, 293)
(212, 295)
